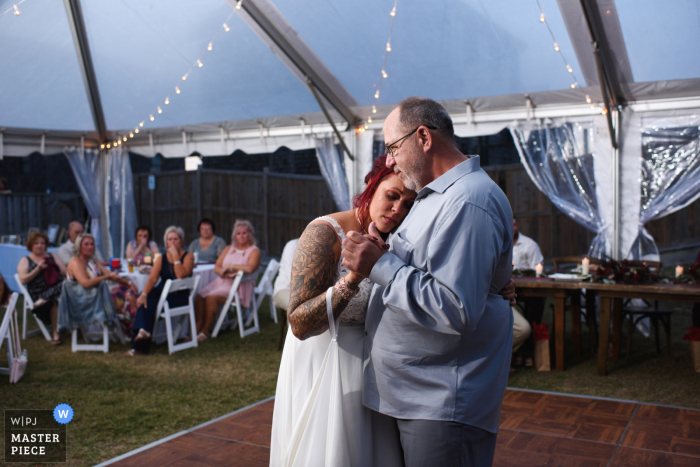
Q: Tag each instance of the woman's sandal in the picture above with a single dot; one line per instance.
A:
(142, 335)
(131, 353)
(56, 342)
(201, 337)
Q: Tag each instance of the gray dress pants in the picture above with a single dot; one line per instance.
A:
(433, 443)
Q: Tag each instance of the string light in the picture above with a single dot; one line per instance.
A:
(573, 85)
(588, 99)
(102, 146)
(542, 18)
(556, 47)
(238, 5)
(124, 138)
(384, 74)
(108, 146)
(17, 12)
(569, 69)
(13, 8)
(131, 135)
(198, 64)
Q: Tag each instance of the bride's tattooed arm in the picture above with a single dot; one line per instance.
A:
(313, 269)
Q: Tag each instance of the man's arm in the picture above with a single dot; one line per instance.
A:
(450, 297)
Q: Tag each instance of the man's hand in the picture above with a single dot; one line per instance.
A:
(361, 253)
(508, 292)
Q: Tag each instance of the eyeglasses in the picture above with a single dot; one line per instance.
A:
(389, 147)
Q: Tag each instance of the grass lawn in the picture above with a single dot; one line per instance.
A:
(124, 403)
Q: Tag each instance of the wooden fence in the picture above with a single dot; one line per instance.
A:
(20, 211)
(278, 205)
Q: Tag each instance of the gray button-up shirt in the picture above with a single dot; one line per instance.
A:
(439, 336)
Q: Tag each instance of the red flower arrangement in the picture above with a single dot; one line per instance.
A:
(541, 331)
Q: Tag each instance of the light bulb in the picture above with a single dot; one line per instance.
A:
(136, 130)
(542, 18)
(388, 46)
(152, 117)
(556, 47)
(184, 77)
(366, 126)
(199, 62)
(177, 90)
(131, 135)
(369, 119)
(17, 12)
(604, 111)
(588, 99)
(167, 100)
(573, 85)
(393, 11)
(210, 46)
(238, 5)
(226, 28)
(124, 138)
(141, 124)
(376, 95)
(568, 67)
(374, 109)
(108, 146)
(159, 110)
(102, 146)
(593, 107)
(384, 75)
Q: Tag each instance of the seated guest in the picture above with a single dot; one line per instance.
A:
(280, 291)
(208, 247)
(527, 255)
(43, 274)
(242, 255)
(65, 251)
(142, 246)
(176, 263)
(83, 270)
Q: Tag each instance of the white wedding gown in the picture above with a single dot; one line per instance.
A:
(319, 419)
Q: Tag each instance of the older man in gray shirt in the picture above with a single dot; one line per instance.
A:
(438, 345)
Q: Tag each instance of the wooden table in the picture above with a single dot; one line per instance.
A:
(611, 296)
(559, 291)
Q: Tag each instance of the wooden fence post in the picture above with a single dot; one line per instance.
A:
(266, 209)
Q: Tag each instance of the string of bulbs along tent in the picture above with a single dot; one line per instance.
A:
(197, 64)
(557, 49)
(384, 74)
(14, 7)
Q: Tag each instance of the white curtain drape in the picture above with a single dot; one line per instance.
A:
(88, 169)
(561, 160)
(329, 160)
(670, 174)
(120, 199)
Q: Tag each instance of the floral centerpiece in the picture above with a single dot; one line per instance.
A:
(623, 272)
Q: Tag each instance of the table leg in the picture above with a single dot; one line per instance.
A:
(617, 325)
(603, 334)
(559, 331)
(576, 321)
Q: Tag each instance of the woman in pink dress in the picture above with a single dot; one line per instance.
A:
(241, 255)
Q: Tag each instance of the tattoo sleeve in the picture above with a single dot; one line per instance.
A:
(313, 269)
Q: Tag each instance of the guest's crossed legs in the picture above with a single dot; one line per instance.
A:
(206, 310)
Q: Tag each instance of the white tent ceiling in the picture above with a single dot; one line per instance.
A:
(490, 54)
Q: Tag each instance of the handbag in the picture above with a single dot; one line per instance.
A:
(19, 361)
(52, 273)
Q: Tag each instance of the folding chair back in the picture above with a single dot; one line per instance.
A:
(5, 331)
(265, 287)
(29, 305)
(250, 315)
(165, 312)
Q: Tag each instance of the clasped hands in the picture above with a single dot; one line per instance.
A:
(361, 253)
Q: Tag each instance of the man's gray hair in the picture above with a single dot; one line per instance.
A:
(417, 111)
(178, 231)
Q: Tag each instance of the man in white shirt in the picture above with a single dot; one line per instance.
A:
(65, 251)
(526, 255)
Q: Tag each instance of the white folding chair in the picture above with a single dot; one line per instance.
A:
(167, 314)
(265, 287)
(5, 332)
(29, 305)
(87, 335)
(251, 313)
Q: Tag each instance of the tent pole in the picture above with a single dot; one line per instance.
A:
(74, 15)
(330, 120)
(122, 255)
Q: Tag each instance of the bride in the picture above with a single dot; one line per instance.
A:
(319, 419)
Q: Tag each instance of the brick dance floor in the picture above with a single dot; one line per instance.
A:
(537, 429)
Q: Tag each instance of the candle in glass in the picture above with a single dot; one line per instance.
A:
(539, 270)
(585, 266)
(679, 271)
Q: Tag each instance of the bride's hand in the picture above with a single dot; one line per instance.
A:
(352, 278)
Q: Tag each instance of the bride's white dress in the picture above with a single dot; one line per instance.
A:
(319, 419)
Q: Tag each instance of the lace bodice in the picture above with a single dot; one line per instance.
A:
(355, 311)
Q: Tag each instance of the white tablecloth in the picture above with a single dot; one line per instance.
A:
(9, 259)
(204, 271)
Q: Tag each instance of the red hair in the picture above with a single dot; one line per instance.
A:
(377, 174)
